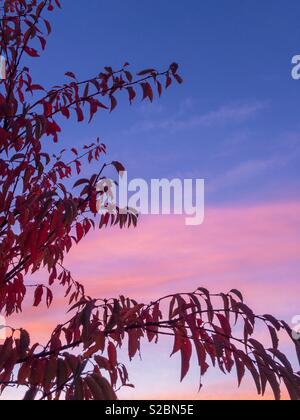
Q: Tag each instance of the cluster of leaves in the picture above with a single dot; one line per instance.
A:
(41, 219)
(81, 359)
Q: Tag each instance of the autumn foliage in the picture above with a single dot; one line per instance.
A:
(42, 218)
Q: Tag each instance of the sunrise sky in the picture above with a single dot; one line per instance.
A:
(234, 122)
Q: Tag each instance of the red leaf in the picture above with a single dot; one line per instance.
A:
(247, 311)
(31, 52)
(240, 368)
(147, 91)
(43, 42)
(93, 108)
(133, 343)
(81, 182)
(79, 232)
(168, 81)
(131, 93)
(145, 72)
(112, 354)
(238, 294)
(159, 88)
(178, 79)
(178, 340)
(128, 76)
(65, 112)
(80, 116)
(119, 167)
(78, 166)
(113, 103)
(93, 203)
(47, 109)
(186, 354)
(35, 87)
(274, 337)
(39, 291)
(201, 353)
(53, 276)
(70, 74)
(49, 298)
(174, 68)
(225, 325)
(4, 135)
(48, 26)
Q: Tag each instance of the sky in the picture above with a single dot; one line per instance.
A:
(235, 122)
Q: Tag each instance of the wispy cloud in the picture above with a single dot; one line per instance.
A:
(243, 172)
(254, 168)
(234, 113)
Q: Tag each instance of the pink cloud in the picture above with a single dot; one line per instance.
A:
(255, 249)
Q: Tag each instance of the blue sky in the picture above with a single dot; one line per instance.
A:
(234, 122)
